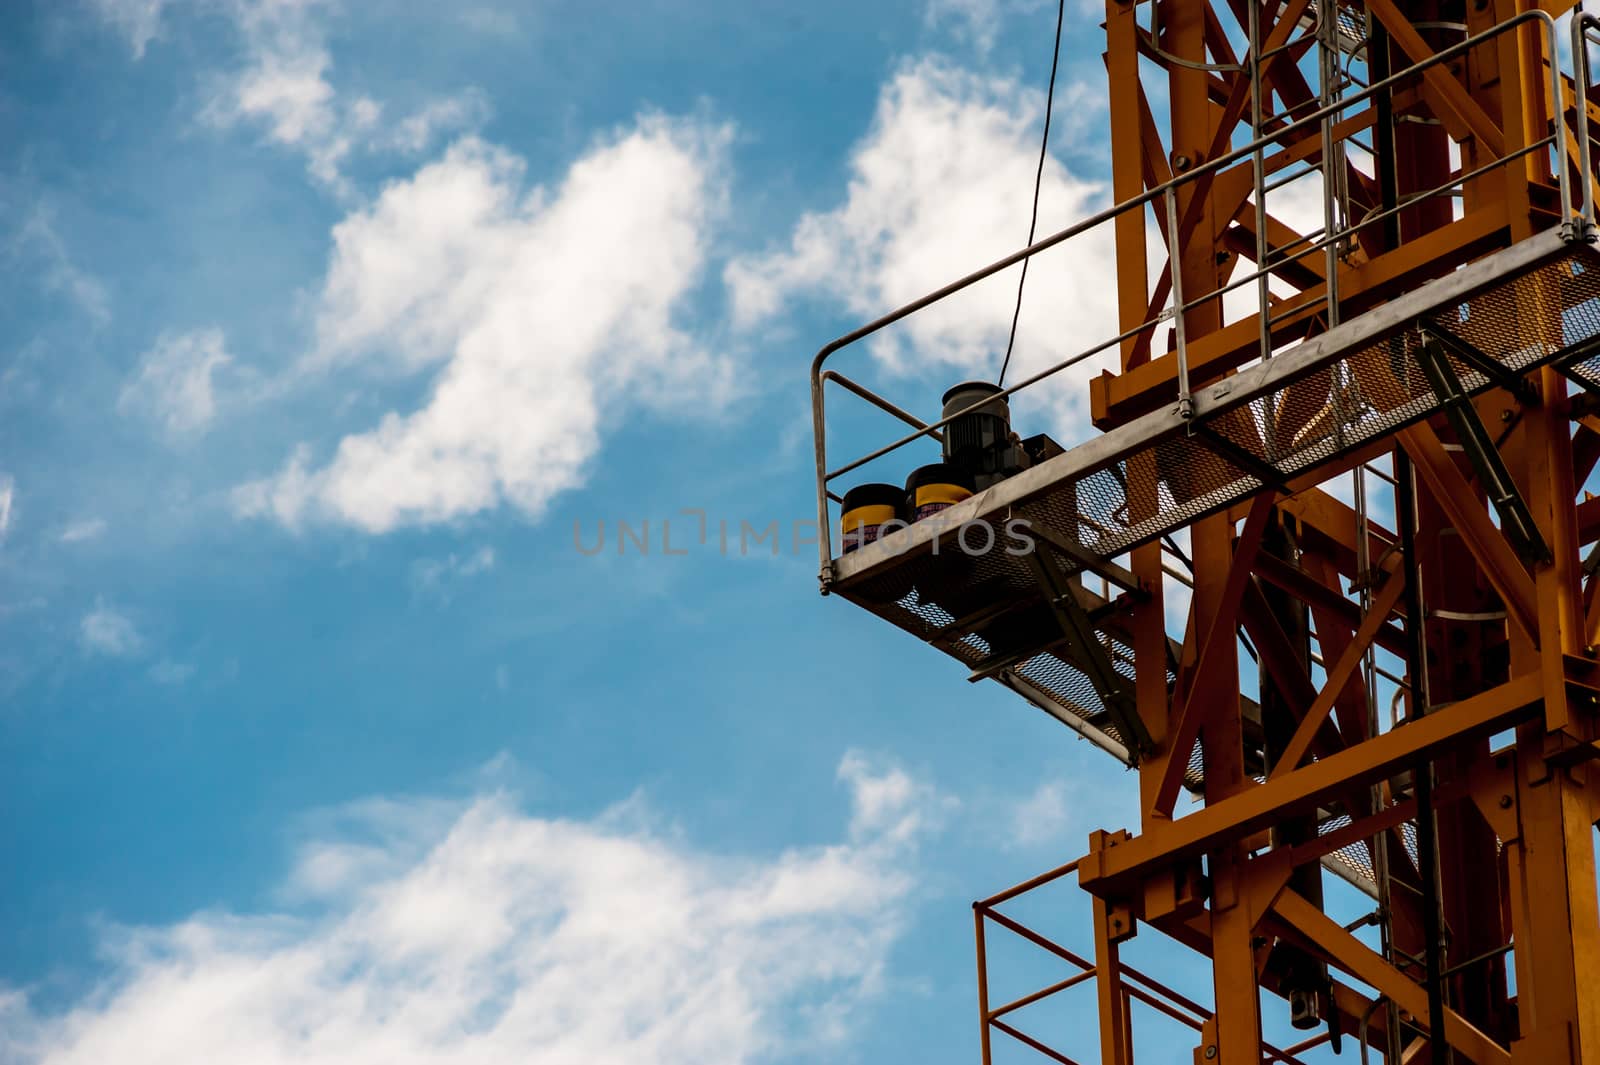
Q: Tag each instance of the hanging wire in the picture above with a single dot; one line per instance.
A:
(1038, 183)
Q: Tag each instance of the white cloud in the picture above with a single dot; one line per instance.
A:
(502, 938)
(8, 491)
(284, 88)
(173, 384)
(544, 309)
(138, 20)
(107, 631)
(464, 110)
(83, 530)
(943, 184)
(890, 802)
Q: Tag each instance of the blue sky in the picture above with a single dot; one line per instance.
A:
(326, 324)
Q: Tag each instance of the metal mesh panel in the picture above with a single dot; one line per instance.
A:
(1070, 688)
(1354, 861)
(1352, 31)
(1580, 309)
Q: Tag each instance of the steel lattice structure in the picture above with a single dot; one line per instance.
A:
(1358, 368)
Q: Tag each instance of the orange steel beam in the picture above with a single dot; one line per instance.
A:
(1277, 657)
(1353, 956)
(1262, 805)
(1233, 107)
(1116, 1026)
(1462, 111)
(1131, 160)
(1356, 832)
(1455, 497)
(1237, 907)
(1334, 522)
(1339, 674)
(1335, 633)
(1200, 694)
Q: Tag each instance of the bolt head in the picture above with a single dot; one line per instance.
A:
(1211, 1051)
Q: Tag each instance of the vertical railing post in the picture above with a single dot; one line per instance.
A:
(1581, 24)
(983, 984)
(1175, 271)
(818, 434)
(1328, 93)
(1259, 178)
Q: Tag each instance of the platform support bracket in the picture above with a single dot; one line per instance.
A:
(1085, 651)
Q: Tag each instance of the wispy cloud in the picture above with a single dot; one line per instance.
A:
(977, 20)
(889, 802)
(1043, 816)
(422, 128)
(173, 384)
(8, 489)
(138, 20)
(83, 530)
(284, 85)
(38, 238)
(489, 936)
(455, 268)
(980, 21)
(107, 631)
(284, 88)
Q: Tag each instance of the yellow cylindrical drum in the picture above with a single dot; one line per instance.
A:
(865, 509)
(935, 487)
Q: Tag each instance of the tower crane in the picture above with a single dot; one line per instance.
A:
(1352, 400)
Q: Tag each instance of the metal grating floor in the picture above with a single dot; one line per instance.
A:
(1535, 303)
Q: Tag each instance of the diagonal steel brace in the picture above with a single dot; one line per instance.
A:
(1492, 369)
(1516, 522)
(1085, 652)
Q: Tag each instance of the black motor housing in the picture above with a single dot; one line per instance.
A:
(980, 441)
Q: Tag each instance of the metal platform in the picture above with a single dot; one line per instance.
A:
(1530, 305)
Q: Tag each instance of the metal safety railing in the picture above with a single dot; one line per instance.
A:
(1585, 30)
(1166, 198)
(1129, 984)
